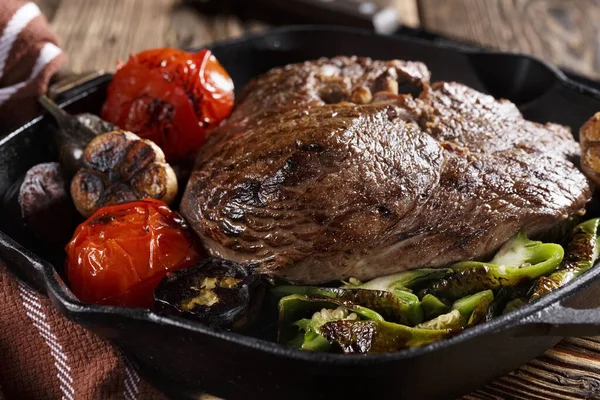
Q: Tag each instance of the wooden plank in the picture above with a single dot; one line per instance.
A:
(97, 33)
(408, 11)
(564, 32)
(569, 371)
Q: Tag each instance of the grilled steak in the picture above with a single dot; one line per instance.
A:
(324, 172)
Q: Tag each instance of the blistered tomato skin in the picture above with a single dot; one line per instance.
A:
(120, 254)
(171, 97)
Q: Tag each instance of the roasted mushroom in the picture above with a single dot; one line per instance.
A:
(216, 292)
(119, 166)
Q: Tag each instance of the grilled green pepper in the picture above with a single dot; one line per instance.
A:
(517, 261)
(514, 304)
(377, 336)
(308, 314)
(398, 306)
(467, 311)
(351, 328)
(468, 304)
(451, 320)
(402, 280)
(312, 338)
(504, 296)
(432, 306)
(581, 254)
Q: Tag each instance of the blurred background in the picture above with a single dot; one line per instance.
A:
(97, 33)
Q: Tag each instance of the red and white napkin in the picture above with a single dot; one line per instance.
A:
(29, 56)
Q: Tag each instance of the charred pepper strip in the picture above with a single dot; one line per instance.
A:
(377, 336)
(581, 254)
(504, 296)
(401, 307)
(354, 329)
(517, 261)
(293, 308)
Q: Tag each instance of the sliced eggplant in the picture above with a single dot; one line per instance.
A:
(216, 292)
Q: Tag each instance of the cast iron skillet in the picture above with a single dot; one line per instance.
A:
(185, 359)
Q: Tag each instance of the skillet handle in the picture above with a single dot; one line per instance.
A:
(558, 320)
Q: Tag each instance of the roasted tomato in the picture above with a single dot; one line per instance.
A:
(120, 254)
(171, 97)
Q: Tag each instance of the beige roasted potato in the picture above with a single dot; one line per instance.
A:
(120, 166)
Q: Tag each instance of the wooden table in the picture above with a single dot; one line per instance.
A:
(97, 33)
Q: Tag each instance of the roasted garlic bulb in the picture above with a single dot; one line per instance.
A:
(589, 139)
(120, 166)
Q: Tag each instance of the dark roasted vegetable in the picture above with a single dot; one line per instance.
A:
(216, 292)
(40, 204)
(297, 326)
(517, 261)
(580, 255)
(46, 206)
(399, 306)
(109, 166)
(71, 137)
(312, 339)
(95, 123)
